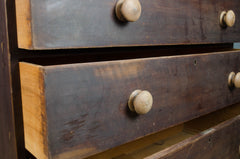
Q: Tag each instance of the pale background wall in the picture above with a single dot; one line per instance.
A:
(237, 45)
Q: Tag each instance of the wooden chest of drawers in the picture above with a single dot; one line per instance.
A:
(120, 79)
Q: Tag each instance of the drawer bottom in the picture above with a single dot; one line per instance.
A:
(216, 134)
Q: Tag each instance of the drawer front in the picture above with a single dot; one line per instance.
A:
(81, 109)
(52, 24)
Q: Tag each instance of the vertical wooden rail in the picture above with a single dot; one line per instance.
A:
(8, 149)
(11, 124)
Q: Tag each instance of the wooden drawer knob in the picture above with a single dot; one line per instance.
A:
(140, 102)
(234, 80)
(227, 18)
(128, 10)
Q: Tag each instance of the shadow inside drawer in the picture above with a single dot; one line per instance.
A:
(161, 141)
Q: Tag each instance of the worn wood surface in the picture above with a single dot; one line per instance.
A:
(86, 104)
(8, 140)
(23, 18)
(157, 142)
(11, 123)
(11, 126)
(81, 24)
(220, 142)
(126, 150)
(34, 112)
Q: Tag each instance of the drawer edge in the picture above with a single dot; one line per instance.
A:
(34, 111)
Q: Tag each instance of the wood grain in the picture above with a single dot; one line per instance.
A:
(188, 134)
(24, 23)
(221, 141)
(158, 142)
(84, 24)
(139, 145)
(34, 111)
(86, 104)
(8, 139)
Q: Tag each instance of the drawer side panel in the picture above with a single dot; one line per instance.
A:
(34, 110)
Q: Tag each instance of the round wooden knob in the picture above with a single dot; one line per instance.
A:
(227, 18)
(234, 80)
(128, 10)
(140, 102)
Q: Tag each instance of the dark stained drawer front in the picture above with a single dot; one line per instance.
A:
(77, 110)
(49, 24)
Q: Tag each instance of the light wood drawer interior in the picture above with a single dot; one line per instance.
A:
(216, 134)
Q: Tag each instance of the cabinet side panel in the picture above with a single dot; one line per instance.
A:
(8, 139)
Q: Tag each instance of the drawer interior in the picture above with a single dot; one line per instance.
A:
(70, 56)
(157, 142)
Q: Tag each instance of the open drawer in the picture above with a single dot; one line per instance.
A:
(77, 110)
(215, 135)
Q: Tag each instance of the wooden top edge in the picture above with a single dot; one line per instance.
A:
(30, 64)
